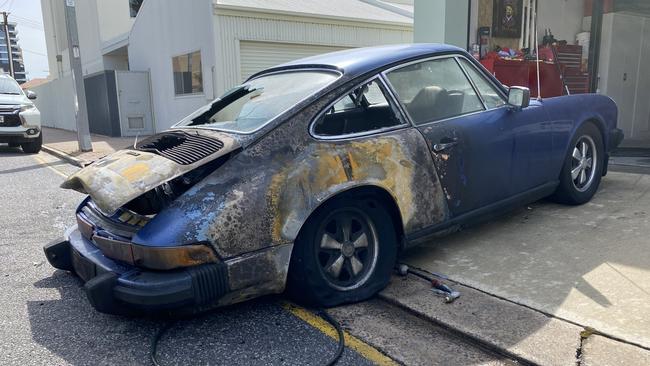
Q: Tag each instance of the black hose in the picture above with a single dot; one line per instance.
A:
(322, 312)
(339, 352)
(156, 338)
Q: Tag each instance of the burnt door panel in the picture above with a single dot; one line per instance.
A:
(472, 154)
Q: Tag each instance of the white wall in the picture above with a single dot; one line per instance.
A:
(167, 28)
(89, 41)
(114, 19)
(441, 21)
(56, 103)
(98, 21)
(564, 17)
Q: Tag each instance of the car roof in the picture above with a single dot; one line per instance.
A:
(357, 61)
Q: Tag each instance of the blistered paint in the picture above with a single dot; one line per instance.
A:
(264, 195)
(126, 174)
(252, 208)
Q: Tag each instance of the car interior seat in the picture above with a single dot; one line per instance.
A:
(429, 104)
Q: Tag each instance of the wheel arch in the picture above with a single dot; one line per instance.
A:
(383, 196)
(596, 121)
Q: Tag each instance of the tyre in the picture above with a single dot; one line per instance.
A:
(345, 253)
(583, 167)
(33, 147)
(13, 144)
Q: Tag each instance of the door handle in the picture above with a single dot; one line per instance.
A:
(448, 143)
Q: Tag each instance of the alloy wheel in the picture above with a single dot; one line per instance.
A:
(347, 248)
(583, 163)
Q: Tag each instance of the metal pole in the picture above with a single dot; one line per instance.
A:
(594, 44)
(539, 82)
(83, 131)
(10, 56)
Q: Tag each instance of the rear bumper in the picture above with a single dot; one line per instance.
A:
(117, 288)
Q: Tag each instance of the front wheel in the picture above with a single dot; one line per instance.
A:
(345, 253)
(34, 146)
(583, 167)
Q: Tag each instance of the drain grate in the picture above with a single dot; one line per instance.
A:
(181, 147)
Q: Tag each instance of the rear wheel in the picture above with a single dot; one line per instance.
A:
(583, 167)
(345, 253)
(34, 146)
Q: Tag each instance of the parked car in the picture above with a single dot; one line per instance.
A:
(314, 175)
(20, 120)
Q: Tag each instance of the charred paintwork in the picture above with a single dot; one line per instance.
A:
(252, 208)
(259, 273)
(263, 196)
(126, 174)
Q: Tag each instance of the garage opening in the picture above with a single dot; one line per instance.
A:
(257, 56)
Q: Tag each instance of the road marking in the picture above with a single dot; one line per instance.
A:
(44, 163)
(362, 348)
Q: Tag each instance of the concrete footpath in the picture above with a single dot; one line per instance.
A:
(574, 279)
(516, 332)
(63, 144)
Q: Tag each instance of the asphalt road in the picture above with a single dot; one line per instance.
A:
(46, 319)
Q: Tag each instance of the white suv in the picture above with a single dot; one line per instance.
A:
(20, 121)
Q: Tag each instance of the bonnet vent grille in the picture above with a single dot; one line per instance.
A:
(181, 147)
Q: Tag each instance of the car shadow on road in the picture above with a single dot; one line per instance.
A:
(5, 150)
(72, 330)
(256, 332)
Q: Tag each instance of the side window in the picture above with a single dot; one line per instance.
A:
(489, 93)
(344, 104)
(365, 109)
(434, 90)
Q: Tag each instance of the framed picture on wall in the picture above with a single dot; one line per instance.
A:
(506, 18)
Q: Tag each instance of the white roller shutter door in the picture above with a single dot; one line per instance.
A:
(257, 56)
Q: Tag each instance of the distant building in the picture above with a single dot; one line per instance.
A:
(17, 52)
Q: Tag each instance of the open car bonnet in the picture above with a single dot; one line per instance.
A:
(118, 178)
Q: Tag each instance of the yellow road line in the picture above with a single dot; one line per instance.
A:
(362, 348)
(46, 164)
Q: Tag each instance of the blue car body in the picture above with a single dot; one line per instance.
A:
(263, 186)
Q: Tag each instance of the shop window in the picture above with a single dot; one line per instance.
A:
(434, 90)
(366, 109)
(490, 94)
(188, 78)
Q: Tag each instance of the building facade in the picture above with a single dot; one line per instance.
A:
(147, 64)
(16, 52)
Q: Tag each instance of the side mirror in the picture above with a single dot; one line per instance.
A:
(519, 97)
(30, 94)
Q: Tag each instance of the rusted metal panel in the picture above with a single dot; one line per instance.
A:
(126, 174)
(264, 195)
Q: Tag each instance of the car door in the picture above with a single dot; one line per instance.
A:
(472, 138)
(531, 130)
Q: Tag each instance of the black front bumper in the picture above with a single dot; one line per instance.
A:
(118, 288)
(615, 138)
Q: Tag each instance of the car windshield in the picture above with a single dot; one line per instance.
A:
(9, 86)
(250, 106)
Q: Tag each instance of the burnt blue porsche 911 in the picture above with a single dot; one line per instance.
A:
(313, 175)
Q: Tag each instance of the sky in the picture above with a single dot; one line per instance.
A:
(27, 14)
